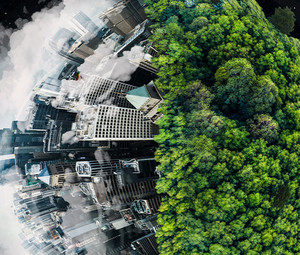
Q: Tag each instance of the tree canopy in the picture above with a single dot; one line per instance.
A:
(229, 138)
(283, 19)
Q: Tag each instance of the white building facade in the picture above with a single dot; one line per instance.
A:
(110, 123)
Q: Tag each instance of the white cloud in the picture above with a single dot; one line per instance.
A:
(20, 23)
(24, 59)
(10, 228)
(101, 155)
(69, 137)
(28, 59)
(108, 65)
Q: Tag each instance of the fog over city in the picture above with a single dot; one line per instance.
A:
(24, 59)
(78, 116)
(25, 56)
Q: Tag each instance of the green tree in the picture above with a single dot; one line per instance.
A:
(229, 139)
(283, 19)
(263, 126)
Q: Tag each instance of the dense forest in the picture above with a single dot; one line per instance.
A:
(229, 141)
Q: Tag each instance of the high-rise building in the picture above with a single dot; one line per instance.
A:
(62, 42)
(105, 91)
(59, 174)
(98, 90)
(131, 182)
(110, 123)
(6, 161)
(124, 16)
(25, 145)
(6, 141)
(42, 205)
(80, 40)
(143, 58)
(83, 25)
(41, 113)
(50, 84)
(146, 245)
(140, 33)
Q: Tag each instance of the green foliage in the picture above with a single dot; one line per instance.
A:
(263, 126)
(241, 92)
(283, 19)
(229, 140)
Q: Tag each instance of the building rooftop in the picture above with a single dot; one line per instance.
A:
(44, 176)
(83, 169)
(137, 97)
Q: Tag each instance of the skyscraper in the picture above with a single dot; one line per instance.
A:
(98, 90)
(78, 41)
(124, 16)
(143, 58)
(109, 192)
(59, 174)
(6, 141)
(146, 245)
(110, 123)
(83, 25)
(130, 181)
(105, 91)
(41, 112)
(42, 205)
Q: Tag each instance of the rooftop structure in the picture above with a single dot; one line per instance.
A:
(98, 90)
(33, 168)
(142, 59)
(147, 100)
(59, 174)
(96, 168)
(124, 16)
(139, 33)
(128, 170)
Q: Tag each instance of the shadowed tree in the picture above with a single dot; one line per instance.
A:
(283, 19)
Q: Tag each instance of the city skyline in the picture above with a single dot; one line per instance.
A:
(49, 155)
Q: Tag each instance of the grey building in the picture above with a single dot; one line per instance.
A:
(133, 181)
(124, 16)
(146, 245)
(80, 40)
